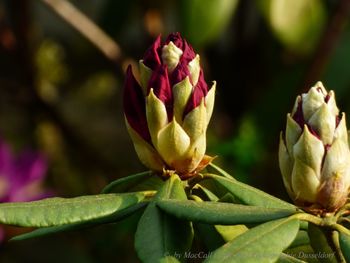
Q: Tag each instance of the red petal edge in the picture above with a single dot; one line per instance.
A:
(134, 106)
(151, 58)
(159, 81)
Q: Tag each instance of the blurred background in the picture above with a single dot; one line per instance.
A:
(60, 92)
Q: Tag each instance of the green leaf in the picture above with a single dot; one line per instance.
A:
(172, 189)
(301, 239)
(160, 237)
(60, 211)
(133, 182)
(263, 243)
(229, 233)
(119, 215)
(214, 187)
(249, 195)
(285, 258)
(344, 241)
(220, 171)
(169, 259)
(209, 236)
(221, 213)
(319, 241)
(304, 252)
(304, 225)
(204, 192)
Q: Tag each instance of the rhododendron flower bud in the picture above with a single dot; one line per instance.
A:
(314, 153)
(168, 110)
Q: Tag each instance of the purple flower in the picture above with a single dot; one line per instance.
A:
(168, 109)
(21, 176)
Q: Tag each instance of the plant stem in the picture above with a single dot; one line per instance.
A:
(336, 247)
(325, 222)
(86, 27)
(341, 228)
(309, 218)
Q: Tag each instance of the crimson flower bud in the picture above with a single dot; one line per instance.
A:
(168, 110)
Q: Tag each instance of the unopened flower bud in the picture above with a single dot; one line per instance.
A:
(314, 154)
(167, 112)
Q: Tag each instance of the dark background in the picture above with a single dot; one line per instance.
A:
(61, 95)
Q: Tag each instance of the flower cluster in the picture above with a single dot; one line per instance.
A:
(167, 112)
(314, 153)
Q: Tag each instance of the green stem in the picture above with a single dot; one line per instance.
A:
(325, 222)
(309, 218)
(211, 175)
(336, 247)
(343, 210)
(341, 228)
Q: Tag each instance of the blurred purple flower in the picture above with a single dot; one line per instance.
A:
(21, 176)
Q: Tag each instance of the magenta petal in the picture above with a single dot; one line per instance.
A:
(159, 81)
(2, 235)
(175, 38)
(30, 166)
(180, 73)
(298, 116)
(202, 84)
(6, 159)
(199, 92)
(151, 57)
(188, 53)
(134, 106)
(29, 193)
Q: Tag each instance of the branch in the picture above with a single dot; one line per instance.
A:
(86, 27)
(327, 43)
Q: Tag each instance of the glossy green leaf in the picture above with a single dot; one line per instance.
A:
(304, 252)
(297, 24)
(208, 235)
(169, 259)
(229, 233)
(304, 225)
(161, 237)
(319, 242)
(301, 239)
(207, 194)
(263, 243)
(249, 195)
(285, 258)
(214, 187)
(220, 171)
(172, 189)
(60, 211)
(119, 215)
(344, 241)
(221, 213)
(204, 20)
(127, 183)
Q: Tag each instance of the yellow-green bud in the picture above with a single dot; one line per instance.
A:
(314, 154)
